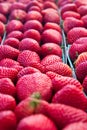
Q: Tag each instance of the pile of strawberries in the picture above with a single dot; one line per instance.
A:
(37, 88)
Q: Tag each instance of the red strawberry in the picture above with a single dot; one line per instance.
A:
(32, 83)
(71, 22)
(68, 7)
(5, 8)
(27, 70)
(7, 102)
(14, 25)
(81, 58)
(38, 121)
(13, 42)
(70, 14)
(78, 47)
(81, 71)
(7, 51)
(18, 67)
(34, 15)
(51, 48)
(2, 28)
(7, 120)
(76, 33)
(29, 44)
(49, 4)
(35, 8)
(84, 84)
(32, 33)
(18, 14)
(82, 10)
(51, 35)
(33, 24)
(8, 73)
(48, 10)
(28, 58)
(51, 74)
(60, 68)
(15, 34)
(7, 87)
(76, 126)
(84, 19)
(80, 2)
(50, 25)
(72, 96)
(17, 5)
(50, 59)
(3, 18)
(61, 3)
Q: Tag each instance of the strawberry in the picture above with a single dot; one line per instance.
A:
(7, 102)
(81, 71)
(78, 47)
(80, 2)
(34, 15)
(82, 10)
(84, 19)
(68, 7)
(81, 58)
(49, 4)
(7, 120)
(18, 14)
(36, 82)
(50, 25)
(13, 42)
(32, 33)
(29, 44)
(70, 14)
(48, 10)
(27, 70)
(51, 35)
(7, 87)
(71, 22)
(61, 3)
(7, 51)
(51, 74)
(84, 84)
(50, 59)
(28, 58)
(76, 126)
(15, 34)
(3, 19)
(76, 33)
(14, 23)
(2, 28)
(5, 7)
(72, 96)
(33, 24)
(35, 8)
(51, 48)
(17, 5)
(8, 73)
(38, 121)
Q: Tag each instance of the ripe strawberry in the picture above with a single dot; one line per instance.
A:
(59, 82)
(8, 73)
(18, 67)
(3, 18)
(5, 7)
(80, 2)
(34, 8)
(72, 96)
(84, 84)
(81, 58)
(7, 87)
(2, 28)
(36, 82)
(82, 10)
(13, 42)
(71, 22)
(51, 35)
(50, 25)
(27, 70)
(76, 33)
(14, 25)
(84, 19)
(32, 33)
(7, 102)
(78, 47)
(7, 120)
(61, 3)
(7, 51)
(15, 34)
(50, 59)
(29, 44)
(81, 71)
(51, 48)
(76, 126)
(34, 15)
(38, 121)
(68, 7)
(70, 14)
(28, 58)
(18, 14)
(51, 74)
(17, 5)
(48, 10)
(49, 4)
(33, 24)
